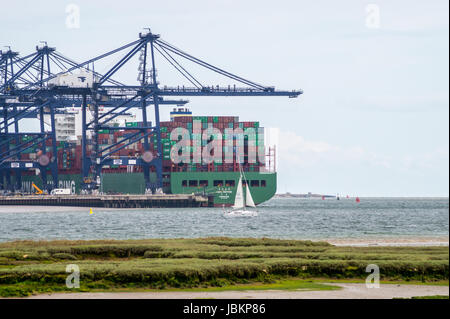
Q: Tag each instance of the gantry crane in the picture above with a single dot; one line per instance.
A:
(25, 92)
(39, 93)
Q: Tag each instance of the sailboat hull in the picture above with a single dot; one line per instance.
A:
(243, 213)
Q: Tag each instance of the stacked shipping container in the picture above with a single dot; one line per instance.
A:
(69, 160)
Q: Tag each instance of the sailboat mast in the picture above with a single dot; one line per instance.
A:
(241, 171)
(248, 195)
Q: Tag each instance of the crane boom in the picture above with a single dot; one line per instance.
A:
(38, 190)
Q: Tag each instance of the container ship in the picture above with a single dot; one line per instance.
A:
(217, 179)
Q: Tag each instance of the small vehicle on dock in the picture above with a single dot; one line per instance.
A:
(61, 191)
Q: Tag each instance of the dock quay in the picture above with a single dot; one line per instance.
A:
(111, 201)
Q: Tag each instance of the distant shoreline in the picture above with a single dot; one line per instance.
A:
(289, 195)
(400, 241)
(310, 195)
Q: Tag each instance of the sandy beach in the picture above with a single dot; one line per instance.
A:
(391, 241)
(348, 291)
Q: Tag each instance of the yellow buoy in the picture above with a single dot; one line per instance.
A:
(91, 211)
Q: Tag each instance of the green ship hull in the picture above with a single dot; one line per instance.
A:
(263, 188)
(220, 184)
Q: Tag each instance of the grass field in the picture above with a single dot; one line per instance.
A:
(28, 267)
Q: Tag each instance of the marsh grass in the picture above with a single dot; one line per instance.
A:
(28, 267)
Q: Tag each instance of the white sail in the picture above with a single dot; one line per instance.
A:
(249, 199)
(239, 199)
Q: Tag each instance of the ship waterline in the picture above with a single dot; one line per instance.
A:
(220, 184)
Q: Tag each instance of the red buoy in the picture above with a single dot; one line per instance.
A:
(358, 200)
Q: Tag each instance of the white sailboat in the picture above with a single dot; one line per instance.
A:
(241, 202)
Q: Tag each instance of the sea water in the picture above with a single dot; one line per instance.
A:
(285, 218)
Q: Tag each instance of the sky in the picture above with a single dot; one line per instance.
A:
(374, 116)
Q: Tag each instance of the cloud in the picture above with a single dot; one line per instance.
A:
(296, 150)
(426, 161)
(295, 143)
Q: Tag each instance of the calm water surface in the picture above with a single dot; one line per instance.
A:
(278, 218)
